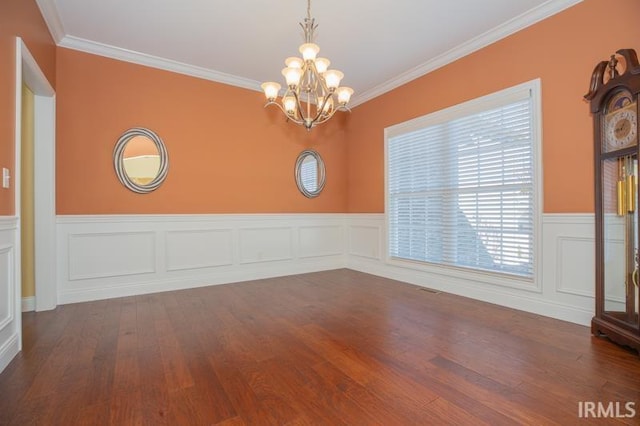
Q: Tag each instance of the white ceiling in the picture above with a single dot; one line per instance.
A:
(378, 44)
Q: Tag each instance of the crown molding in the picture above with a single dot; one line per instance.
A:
(545, 10)
(52, 19)
(134, 57)
(54, 23)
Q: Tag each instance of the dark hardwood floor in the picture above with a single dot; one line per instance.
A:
(335, 348)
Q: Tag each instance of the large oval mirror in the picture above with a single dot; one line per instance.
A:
(140, 160)
(310, 173)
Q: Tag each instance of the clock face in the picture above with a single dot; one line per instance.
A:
(621, 128)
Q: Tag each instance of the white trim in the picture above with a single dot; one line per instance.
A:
(220, 232)
(28, 304)
(10, 323)
(17, 267)
(545, 10)
(560, 266)
(569, 218)
(538, 179)
(195, 218)
(51, 17)
(8, 223)
(44, 175)
(7, 252)
(139, 58)
(9, 350)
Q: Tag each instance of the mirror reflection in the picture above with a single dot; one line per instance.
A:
(310, 173)
(140, 160)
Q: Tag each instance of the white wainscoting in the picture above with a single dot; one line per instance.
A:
(120, 255)
(9, 299)
(566, 288)
(111, 256)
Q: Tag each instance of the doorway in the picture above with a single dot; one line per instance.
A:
(29, 74)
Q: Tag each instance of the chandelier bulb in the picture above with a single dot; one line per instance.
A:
(344, 94)
(309, 51)
(322, 64)
(313, 92)
(332, 79)
(289, 103)
(271, 90)
(292, 75)
(294, 62)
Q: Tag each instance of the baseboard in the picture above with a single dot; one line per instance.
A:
(29, 304)
(8, 351)
(497, 296)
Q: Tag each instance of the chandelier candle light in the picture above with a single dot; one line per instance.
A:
(313, 91)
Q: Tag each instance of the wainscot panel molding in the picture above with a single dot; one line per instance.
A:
(567, 267)
(120, 255)
(10, 303)
(106, 256)
(110, 254)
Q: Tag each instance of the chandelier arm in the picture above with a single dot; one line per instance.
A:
(298, 105)
(320, 110)
(327, 117)
(320, 80)
(322, 119)
(295, 120)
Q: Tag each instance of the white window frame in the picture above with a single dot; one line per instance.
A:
(448, 114)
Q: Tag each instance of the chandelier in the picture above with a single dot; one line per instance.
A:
(313, 93)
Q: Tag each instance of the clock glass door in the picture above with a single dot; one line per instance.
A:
(620, 249)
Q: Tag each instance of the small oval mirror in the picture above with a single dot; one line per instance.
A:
(140, 160)
(310, 173)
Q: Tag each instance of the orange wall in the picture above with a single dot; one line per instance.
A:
(18, 18)
(227, 154)
(561, 50)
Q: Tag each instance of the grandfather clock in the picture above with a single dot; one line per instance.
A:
(613, 98)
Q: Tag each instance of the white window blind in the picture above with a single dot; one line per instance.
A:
(309, 174)
(460, 187)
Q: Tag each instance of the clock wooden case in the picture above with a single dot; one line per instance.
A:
(613, 98)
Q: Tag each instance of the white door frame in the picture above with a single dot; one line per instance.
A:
(28, 71)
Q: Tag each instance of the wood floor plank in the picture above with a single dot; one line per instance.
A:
(336, 347)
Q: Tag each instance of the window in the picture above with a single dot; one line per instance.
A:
(461, 184)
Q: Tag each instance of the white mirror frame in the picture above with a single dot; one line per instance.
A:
(321, 173)
(118, 160)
